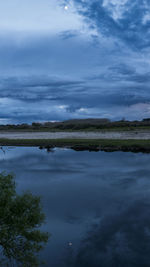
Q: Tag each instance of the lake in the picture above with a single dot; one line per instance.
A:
(97, 204)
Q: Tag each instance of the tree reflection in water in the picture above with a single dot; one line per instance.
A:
(20, 219)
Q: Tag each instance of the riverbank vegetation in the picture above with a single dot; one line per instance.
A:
(80, 125)
(82, 144)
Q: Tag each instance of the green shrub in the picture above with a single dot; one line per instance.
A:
(20, 219)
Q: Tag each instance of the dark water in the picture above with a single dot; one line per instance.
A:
(97, 205)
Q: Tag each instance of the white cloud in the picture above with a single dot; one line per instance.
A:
(63, 107)
(146, 18)
(115, 7)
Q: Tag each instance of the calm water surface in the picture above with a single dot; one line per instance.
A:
(97, 205)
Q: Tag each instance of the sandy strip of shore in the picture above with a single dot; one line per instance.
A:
(76, 135)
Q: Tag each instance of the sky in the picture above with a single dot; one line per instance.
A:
(64, 59)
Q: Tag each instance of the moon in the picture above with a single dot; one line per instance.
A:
(66, 8)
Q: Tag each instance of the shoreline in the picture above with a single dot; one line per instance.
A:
(134, 141)
(107, 145)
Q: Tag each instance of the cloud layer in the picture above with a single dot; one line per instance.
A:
(91, 60)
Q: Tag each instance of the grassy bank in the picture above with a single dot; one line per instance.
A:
(83, 144)
(82, 129)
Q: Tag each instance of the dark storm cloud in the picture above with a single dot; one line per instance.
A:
(45, 98)
(128, 73)
(36, 88)
(124, 73)
(73, 93)
(126, 20)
